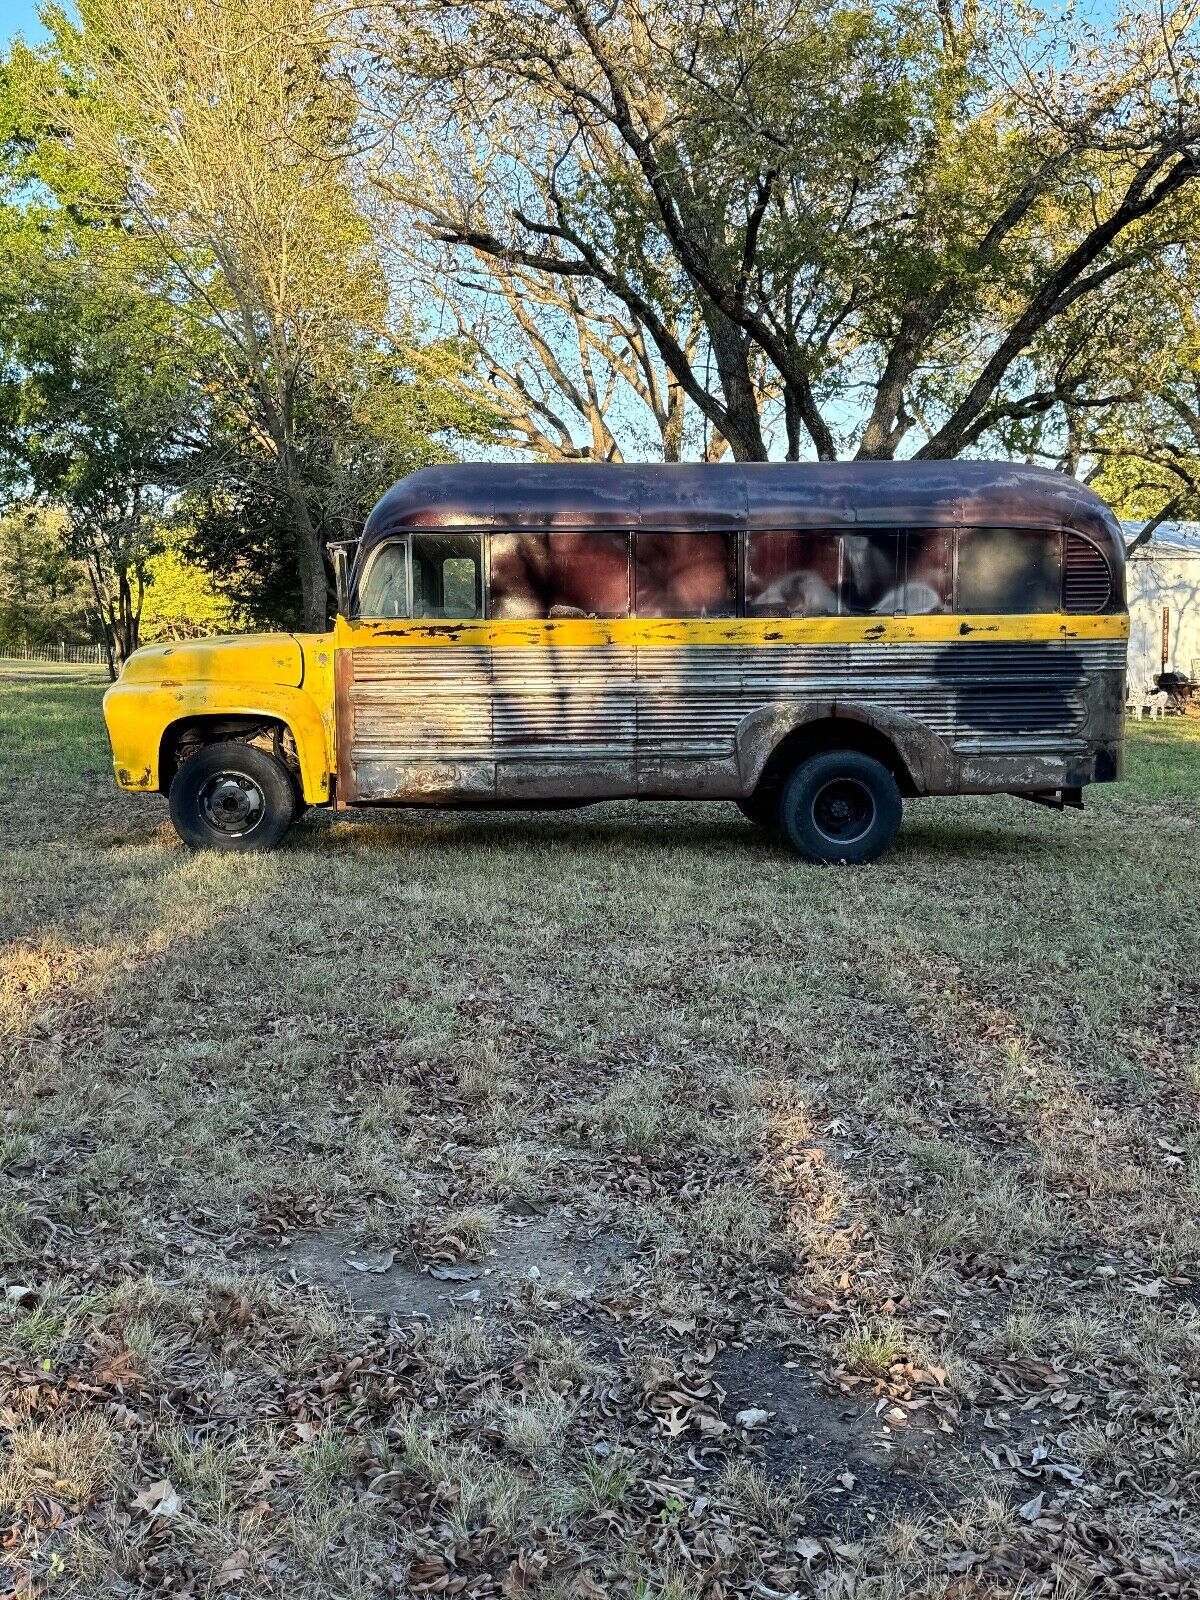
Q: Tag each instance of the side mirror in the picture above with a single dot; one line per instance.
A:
(341, 577)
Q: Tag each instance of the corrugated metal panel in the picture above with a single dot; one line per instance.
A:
(420, 703)
(463, 704)
(565, 701)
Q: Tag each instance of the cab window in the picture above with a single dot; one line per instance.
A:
(384, 591)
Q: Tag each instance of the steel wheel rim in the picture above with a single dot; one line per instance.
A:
(232, 804)
(843, 810)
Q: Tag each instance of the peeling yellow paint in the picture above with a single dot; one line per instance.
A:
(766, 631)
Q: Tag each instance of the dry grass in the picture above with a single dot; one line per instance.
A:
(691, 1130)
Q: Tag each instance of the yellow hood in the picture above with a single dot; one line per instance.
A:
(250, 658)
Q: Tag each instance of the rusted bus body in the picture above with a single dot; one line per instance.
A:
(784, 636)
(517, 710)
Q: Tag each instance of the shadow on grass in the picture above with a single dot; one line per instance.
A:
(995, 833)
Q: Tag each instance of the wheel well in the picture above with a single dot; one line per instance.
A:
(836, 733)
(182, 739)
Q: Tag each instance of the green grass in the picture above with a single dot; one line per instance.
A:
(933, 1116)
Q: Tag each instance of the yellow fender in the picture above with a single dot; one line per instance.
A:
(155, 692)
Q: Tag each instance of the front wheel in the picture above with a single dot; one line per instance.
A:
(840, 806)
(232, 796)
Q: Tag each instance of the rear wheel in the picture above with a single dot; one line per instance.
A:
(840, 805)
(232, 796)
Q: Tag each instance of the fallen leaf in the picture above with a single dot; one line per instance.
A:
(233, 1568)
(158, 1499)
(368, 1266)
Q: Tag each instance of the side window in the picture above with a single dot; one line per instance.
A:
(1009, 570)
(792, 574)
(447, 575)
(685, 574)
(384, 588)
(929, 584)
(559, 574)
(870, 573)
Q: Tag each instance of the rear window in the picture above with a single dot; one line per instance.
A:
(1009, 570)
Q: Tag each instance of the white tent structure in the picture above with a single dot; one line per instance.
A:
(1163, 578)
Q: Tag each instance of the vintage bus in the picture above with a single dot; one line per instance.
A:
(812, 642)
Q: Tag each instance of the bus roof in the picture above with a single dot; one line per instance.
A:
(701, 496)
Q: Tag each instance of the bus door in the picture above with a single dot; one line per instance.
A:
(413, 676)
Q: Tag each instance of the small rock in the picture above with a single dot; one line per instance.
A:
(752, 1417)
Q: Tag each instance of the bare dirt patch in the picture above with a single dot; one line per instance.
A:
(549, 1252)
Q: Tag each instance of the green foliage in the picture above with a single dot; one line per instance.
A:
(44, 595)
(192, 313)
(182, 601)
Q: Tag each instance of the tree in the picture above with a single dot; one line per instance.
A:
(44, 597)
(887, 206)
(213, 141)
(95, 403)
(1145, 454)
(182, 601)
(380, 416)
(219, 133)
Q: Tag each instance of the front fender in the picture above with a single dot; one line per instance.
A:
(139, 714)
(927, 758)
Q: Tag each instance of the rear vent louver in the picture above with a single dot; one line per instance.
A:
(1087, 585)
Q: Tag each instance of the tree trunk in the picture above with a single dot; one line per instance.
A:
(743, 426)
(314, 581)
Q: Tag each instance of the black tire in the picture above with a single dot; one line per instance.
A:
(232, 796)
(840, 806)
(761, 807)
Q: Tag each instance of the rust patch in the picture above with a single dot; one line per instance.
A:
(343, 727)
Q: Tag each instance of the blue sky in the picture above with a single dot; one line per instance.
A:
(19, 16)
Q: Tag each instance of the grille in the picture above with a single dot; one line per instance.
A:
(1087, 584)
